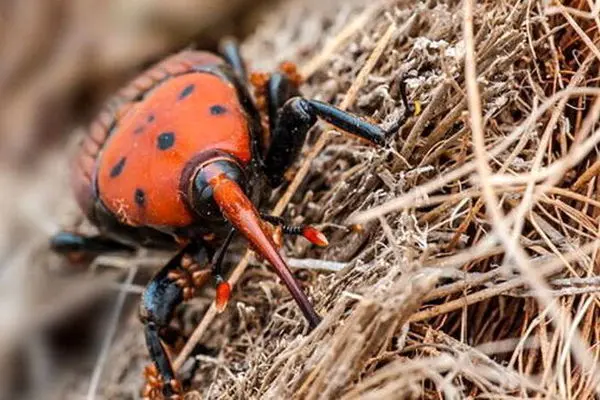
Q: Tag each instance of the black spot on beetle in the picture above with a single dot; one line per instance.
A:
(218, 109)
(186, 91)
(150, 118)
(118, 168)
(140, 197)
(165, 140)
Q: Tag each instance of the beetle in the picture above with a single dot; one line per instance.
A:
(180, 159)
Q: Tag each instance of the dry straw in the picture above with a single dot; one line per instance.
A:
(474, 270)
(479, 214)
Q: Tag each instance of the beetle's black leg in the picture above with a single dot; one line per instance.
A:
(292, 116)
(80, 247)
(230, 50)
(287, 137)
(173, 284)
(280, 88)
(293, 122)
(217, 264)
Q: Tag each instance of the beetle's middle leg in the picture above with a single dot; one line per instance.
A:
(175, 283)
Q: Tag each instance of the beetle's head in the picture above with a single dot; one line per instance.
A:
(218, 190)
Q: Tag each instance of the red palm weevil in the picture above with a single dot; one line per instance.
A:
(179, 159)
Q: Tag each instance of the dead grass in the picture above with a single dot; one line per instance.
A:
(497, 213)
(473, 272)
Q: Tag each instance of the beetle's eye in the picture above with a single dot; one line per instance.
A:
(202, 193)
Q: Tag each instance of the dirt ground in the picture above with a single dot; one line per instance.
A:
(464, 252)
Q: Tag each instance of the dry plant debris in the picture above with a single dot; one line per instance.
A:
(469, 243)
(429, 240)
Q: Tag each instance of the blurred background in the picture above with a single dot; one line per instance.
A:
(59, 61)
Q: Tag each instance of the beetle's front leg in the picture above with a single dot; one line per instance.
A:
(174, 283)
(291, 117)
(295, 119)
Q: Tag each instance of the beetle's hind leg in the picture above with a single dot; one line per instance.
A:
(79, 247)
(175, 283)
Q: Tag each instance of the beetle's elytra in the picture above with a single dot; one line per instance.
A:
(179, 159)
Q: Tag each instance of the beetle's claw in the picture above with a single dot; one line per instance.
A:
(223, 295)
(315, 236)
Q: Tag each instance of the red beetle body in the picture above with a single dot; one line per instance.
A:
(177, 160)
(141, 148)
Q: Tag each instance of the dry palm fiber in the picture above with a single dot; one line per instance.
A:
(441, 295)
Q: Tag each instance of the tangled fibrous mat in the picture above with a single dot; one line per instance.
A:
(465, 249)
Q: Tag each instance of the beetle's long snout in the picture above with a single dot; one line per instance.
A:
(242, 214)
